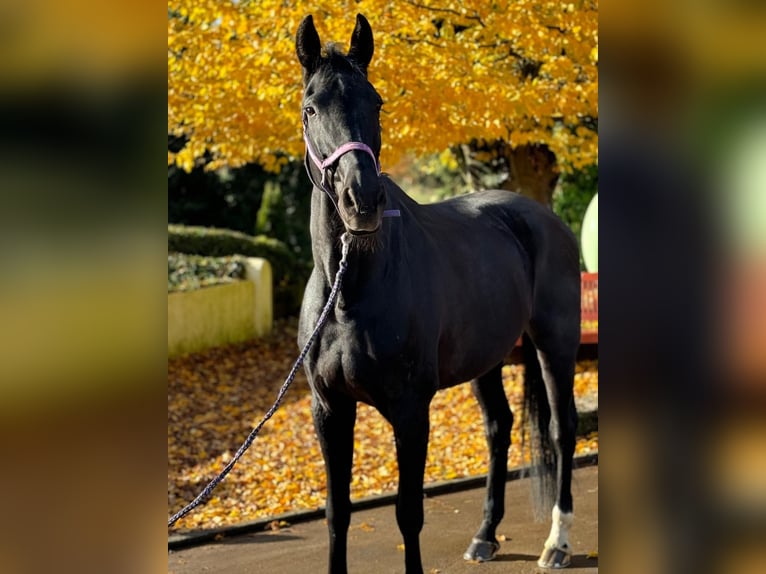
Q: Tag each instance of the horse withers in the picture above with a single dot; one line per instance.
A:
(434, 297)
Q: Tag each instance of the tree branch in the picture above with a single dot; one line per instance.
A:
(411, 40)
(475, 16)
(557, 28)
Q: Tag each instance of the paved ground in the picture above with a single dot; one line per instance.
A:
(451, 520)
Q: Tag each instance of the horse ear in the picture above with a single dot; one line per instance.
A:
(362, 45)
(307, 45)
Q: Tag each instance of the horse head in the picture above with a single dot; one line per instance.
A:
(341, 125)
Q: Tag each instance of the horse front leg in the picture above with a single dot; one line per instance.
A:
(498, 421)
(334, 424)
(411, 434)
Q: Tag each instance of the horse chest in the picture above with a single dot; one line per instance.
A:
(368, 361)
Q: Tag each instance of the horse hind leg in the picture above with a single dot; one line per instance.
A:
(498, 422)
(555, 358)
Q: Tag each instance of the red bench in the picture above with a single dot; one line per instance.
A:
(589, 309)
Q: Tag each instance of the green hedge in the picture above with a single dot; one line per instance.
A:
(290, 274)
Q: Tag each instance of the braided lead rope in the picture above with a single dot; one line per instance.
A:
(202, 496)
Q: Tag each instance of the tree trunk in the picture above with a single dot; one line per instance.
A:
(528, 169)
(532, 172)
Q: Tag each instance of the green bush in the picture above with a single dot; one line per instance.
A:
(572, 196)
(281, 215)
(187, 272)
(230, 198)
(290, 274)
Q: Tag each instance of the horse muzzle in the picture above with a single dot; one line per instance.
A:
(361, 212)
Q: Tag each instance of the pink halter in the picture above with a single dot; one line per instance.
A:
(335, 156)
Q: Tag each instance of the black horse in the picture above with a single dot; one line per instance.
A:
(434, 297)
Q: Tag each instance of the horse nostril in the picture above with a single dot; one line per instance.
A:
(349, 199)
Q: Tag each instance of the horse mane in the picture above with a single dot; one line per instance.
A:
(395, 192)
(336, 60)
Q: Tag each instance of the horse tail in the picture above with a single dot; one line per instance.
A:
(536, 435)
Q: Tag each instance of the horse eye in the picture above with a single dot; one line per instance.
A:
(310, 111)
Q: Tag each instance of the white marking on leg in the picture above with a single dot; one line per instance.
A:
(561, 523)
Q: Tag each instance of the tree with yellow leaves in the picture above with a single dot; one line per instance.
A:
(515, 75)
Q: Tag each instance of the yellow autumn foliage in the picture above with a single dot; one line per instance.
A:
(215, 397)
(522, 70)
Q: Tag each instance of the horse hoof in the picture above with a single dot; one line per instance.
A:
(481, 550)
(555, 558)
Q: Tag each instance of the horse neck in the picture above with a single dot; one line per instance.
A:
(325, 230)
(365, 265)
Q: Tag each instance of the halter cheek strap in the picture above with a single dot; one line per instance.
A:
(324, 165)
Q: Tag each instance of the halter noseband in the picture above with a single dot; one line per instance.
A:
(324, 165)
(335, 156)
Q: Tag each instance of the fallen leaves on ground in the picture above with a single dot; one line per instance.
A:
(217, 396)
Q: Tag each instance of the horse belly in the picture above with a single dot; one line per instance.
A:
(475, 353)
(485, 325)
